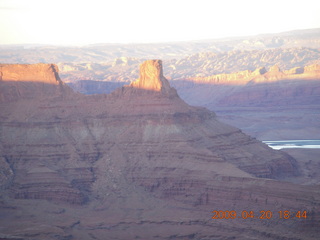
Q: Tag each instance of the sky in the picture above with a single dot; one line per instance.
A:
(81, 22)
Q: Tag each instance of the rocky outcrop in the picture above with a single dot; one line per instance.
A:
(151, 78)
(260, 75)
(212, 63)
(124, 61)
(202, 64)
(29, 81)
(274, 104)
(139, 161)
(44, 73)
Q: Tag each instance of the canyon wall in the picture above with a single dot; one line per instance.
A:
(261, 75)
(30, 81)
(142, 160)
(41, 72)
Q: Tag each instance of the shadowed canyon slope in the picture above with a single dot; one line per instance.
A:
(259, 88)
(137, 163)
(267, 110)
(262, 87)
(265, 103)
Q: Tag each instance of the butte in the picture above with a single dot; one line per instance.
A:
(138, 163)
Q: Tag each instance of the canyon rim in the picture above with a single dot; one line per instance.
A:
(138, 163)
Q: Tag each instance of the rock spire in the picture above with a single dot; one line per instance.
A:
(151, 77)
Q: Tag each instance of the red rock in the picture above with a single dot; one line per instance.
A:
(27, 81)
(260, 75)
(44, 73)
(151, 77)
(141, 159)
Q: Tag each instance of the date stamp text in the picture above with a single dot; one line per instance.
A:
(259, 215)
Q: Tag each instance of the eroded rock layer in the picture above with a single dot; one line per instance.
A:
(38, 81)
(44, 73)
(143, 160)
(261, 75)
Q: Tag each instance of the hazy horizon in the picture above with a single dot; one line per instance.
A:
(126, 22)
(155, 42)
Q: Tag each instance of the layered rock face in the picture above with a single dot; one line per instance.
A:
(261, 75)
(143, 160)
(152, 79)
(44, 73)
(267, 104)
(260, 88)
(19, 81)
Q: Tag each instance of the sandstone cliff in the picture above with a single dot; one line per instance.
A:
(260, 75)
(23, 81)
(142, 160)
(151, 77)
(267, 104)
(44, 73)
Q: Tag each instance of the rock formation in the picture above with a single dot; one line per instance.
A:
(202, 64)
(19, 81)
(260, 75)
(151, 77)
(271, 104)
(260, 88)
(140, 159)
(44, 73)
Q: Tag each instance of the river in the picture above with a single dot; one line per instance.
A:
(293, 144)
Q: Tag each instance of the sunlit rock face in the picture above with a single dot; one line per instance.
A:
(139, 158)
(31, 81)
(44, 73)
(152, 79)
(261, 75)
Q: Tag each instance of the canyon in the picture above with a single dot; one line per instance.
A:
(202, 64)
(138, 163)
(265, 103)
(265, 109)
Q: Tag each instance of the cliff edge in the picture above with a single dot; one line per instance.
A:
(27, 81)
(261, 75)
(41, 72)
